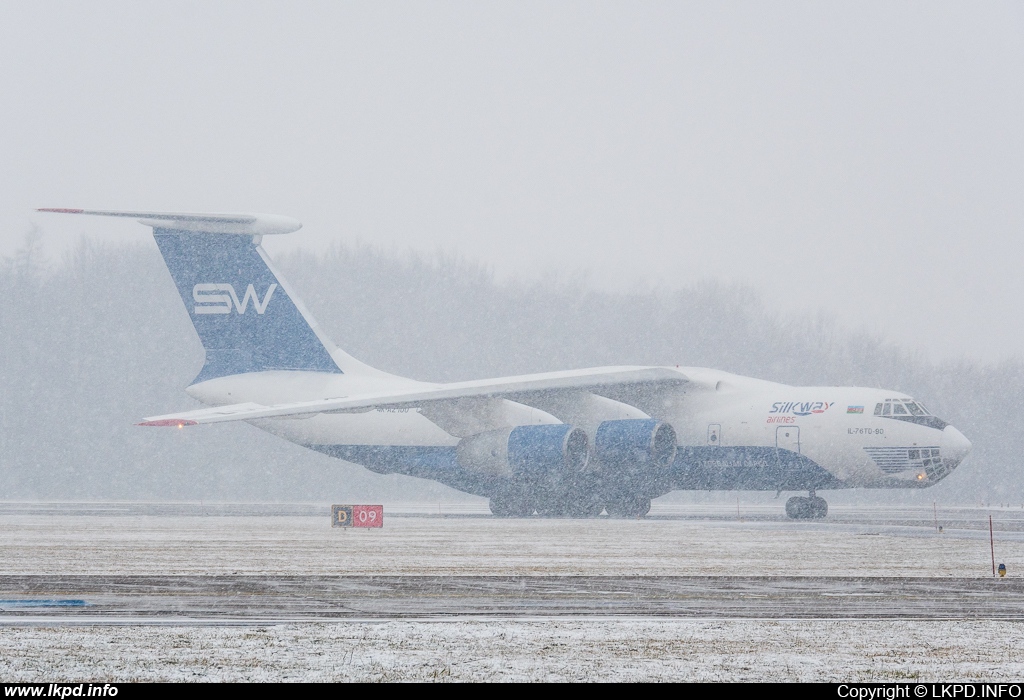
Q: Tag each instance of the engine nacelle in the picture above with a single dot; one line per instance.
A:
(635, 444)
(531, 452)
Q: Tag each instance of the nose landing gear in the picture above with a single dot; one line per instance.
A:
(812, 508)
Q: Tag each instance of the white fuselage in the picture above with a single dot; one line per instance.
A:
(722, 421)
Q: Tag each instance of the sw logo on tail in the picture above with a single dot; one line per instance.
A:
(210, 299)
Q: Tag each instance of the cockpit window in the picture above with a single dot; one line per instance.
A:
(901, 407)
(909, 411)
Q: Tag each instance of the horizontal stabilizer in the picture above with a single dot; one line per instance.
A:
(243, 224)
(551, 382)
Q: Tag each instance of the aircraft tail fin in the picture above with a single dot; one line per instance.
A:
(245, 313)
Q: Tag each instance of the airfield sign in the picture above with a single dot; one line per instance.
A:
(357, 516)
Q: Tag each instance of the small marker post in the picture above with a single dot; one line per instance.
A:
(992, 545)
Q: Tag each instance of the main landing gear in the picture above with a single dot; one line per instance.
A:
(812, 508)
(522, 503)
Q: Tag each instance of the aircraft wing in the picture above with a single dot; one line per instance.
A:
(603, 380)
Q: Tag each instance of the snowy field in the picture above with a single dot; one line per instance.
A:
(524, 650)
(62, 539)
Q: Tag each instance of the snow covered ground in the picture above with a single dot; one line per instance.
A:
(523, 650)
(856, 542)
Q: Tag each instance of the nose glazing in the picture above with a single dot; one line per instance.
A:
(953, 446)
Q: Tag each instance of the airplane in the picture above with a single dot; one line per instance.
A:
(574, 443)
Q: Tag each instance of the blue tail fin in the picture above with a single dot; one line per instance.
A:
(243, 311)
(246, 315)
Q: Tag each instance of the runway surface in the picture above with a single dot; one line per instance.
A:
(264, 599)
(265, 592)
(200, 563)
(241, 540)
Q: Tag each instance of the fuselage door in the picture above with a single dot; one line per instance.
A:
(715, 434)
(788, 438)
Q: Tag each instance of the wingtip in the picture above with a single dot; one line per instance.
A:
(60, 210)
(167, 423)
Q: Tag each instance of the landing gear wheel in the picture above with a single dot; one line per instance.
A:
(801, 508)
(511, 504)
(819, 507)
(629, 507)
(798, 508)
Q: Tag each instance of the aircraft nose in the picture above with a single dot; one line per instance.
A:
(953, 446)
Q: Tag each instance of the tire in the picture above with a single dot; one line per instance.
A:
(818, 508)
(798, 508)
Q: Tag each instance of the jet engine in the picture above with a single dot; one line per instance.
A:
(635, 444)
(526, 452)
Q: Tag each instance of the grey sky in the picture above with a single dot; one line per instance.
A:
(866, 159)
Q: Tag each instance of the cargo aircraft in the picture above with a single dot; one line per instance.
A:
(575, 443)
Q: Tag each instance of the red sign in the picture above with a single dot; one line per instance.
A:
(367, 516)
(357, 516)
